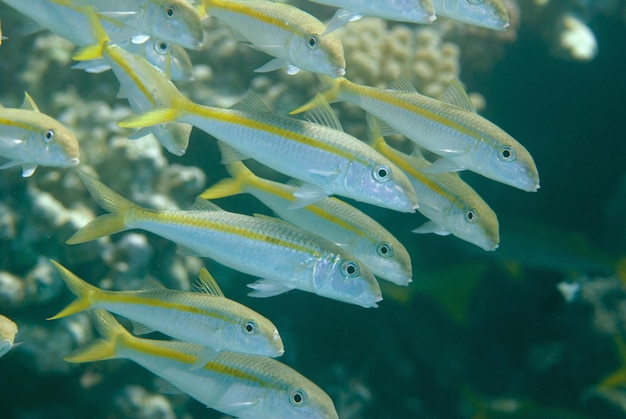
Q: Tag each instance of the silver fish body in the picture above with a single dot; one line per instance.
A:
(30, 138)
(490, 14)
(206, 319)
(330, 217)
(284, 256)
(245, 386)
(291, 35)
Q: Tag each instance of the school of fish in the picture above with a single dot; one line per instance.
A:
(222, 352)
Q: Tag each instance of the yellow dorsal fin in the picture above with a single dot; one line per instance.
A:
(207, 284)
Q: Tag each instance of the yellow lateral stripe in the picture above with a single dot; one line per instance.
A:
(17, 124)
(313, 208)
(236, 119)
(255, 14)
(146, 347)
(118, 58)
(132, 299)
(391, 99)
(182, 220)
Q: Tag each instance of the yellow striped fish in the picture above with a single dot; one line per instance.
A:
(454, 131)
(171, 20)
(141, 83)
(208, 319)
(490, 14)
(283, 31)
(245, 386)
(331, 218)
(413, 11)
(327, 159)
(29, 138)
(452, 206)
(8, 330)
(284, 256)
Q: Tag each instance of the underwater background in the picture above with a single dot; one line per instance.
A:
(476, 334)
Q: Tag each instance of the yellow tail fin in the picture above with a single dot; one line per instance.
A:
(82, 289)
(92, 52)
(331, 95)
(112, 333)
(229, 187)
(105, 224)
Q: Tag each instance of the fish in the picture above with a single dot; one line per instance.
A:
(451, 205)
(206, 318)
(450, 128)
(412, 11)
(295, 38)
(328, 160)
(29, 138)
(284, 256)
(330, 217)
(2, 37)
(241, 385)
(176, 21)
(8, 330)
(491, 14)
(70, 20)
(143, 85)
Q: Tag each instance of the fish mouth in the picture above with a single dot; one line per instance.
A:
(340, 72)
(75, 161)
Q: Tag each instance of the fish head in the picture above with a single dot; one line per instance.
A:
(380, 182)
(165, 55)
(505, 160)
(296, 398)
(475, 222)
(387, 259)
(342, 277)
(176, 21)
(52, 144)
(254, 334)
(490, 14)
(318, 53)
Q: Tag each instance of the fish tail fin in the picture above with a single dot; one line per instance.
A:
(233, 186)
(330, 95)
(107, 224)
(92, 52)
(112, 333)
(82, 289)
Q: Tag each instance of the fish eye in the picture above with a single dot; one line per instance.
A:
(384, 250)
(382, 173)
(250, 327)
(350, 269)
(170, 11)
(506, 153)
(48, 136)
(297, 397)
(471, 216)
(313, 42)
(161, 47)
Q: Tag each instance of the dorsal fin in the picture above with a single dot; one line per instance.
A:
(29, 103)
(251, 102)
(323, 114)
(151, 284)
(404, 85)
(204, 205)
(207, 284)
(456, 95)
